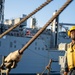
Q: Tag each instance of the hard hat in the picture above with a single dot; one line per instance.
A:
(69, 31)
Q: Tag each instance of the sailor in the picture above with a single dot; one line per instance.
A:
(70, 54)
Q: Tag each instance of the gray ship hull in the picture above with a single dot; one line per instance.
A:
(34, 59)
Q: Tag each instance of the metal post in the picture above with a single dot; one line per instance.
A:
(50, 62)
(6, 71)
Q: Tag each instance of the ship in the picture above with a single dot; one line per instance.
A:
(49, 45)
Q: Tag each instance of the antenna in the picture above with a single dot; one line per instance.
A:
(1, 14)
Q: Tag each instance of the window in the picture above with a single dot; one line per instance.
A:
(22, 45)
(35, 48)
(14, 46)
(42, 48)
(11, 44)
(14, 41)
(0, 43)
(36, 43)
(39, 48)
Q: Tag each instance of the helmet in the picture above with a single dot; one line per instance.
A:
(69, 32)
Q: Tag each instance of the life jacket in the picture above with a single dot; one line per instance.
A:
(71, 55)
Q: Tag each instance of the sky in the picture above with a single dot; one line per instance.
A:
(16, 8)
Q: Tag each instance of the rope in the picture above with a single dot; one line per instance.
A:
(45, 26)
(24, 19)
(43, 72)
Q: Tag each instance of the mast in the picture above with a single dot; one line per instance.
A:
(55, 29)
(1, 14)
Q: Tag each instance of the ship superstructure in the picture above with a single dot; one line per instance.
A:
(38, 54)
